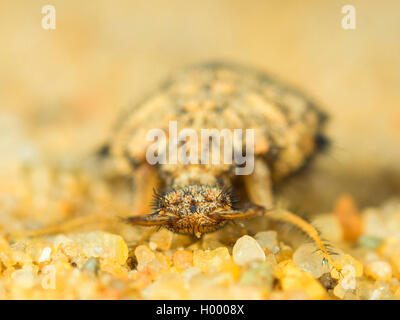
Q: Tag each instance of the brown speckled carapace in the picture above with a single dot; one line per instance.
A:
(195, 198)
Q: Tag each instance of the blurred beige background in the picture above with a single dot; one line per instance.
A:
(61, 90)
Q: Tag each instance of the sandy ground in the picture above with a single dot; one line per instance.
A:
(103, 56)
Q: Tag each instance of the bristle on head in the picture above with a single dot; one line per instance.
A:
(194, 199)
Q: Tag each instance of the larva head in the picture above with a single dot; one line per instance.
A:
(194, 200)
(194, 209)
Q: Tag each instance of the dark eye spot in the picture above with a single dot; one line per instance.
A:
(193, 207)
(223, 199)
(176, 203)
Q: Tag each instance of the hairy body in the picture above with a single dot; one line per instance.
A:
(197, 198)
